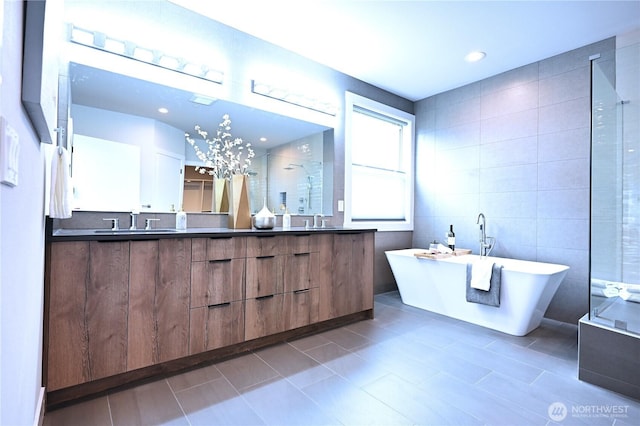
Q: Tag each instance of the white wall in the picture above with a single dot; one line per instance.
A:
(21, 244)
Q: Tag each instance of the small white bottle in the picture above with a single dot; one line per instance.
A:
(286, 220)
(181, 221)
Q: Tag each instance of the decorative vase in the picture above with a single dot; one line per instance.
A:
(220, 195)
(239, 214)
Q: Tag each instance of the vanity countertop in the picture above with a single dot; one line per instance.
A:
(142, 234)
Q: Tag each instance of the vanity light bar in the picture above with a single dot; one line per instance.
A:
(101, 41)
(284, 95)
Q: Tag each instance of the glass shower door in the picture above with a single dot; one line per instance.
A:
(615, 211)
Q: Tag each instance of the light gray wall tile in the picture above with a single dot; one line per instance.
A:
(563, 204)
(566, 145)
(511, 205)
(467, 134)
(564, 174)
(387, 241)
(509, 153)
(563, 233)
(573, 84)
(509, 179)
(459, 113)
(513, 126)
(571, 300)
(456, 204)
(509, 79)
(452, 160)
(513, 232)
(509, 251)
(511, 100)
(577, 58)
(568, 115)
(458, 95)
(577, 260)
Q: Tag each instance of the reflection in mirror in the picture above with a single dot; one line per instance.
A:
(129, 156)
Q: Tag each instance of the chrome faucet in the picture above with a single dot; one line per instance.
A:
(134, 220)
(317, 218)
(485, 247)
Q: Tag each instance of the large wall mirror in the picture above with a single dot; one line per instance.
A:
(127, 155)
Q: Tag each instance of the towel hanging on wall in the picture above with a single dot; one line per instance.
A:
(60, 199)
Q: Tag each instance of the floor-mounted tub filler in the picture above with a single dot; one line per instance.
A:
(440, 286)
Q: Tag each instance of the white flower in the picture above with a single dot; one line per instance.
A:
(224, 155)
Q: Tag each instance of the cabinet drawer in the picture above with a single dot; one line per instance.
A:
(216, 326)
(264, 276)
(300, 271)
(218, 248)
(263, 316)
(301, 308)
(216, 281)
(265, 245)
(301, 243)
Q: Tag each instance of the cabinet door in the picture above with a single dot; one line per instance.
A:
(217, 281)
(301, 243)
(264, 276)
(300, 271)
(107, 308)
(158, 301)
(301, 308)
(263, 316)
(68, 357)
(216, 326)
(88, 300)
(265, 245)
(350, 288)
(218, 248)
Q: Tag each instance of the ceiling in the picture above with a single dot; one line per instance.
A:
(415, 49)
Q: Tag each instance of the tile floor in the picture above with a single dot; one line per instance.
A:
(406, 366)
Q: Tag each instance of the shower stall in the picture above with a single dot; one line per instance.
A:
(609, 335)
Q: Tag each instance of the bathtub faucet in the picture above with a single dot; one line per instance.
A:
(485, 247)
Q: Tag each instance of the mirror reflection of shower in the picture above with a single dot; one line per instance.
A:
(308, 184)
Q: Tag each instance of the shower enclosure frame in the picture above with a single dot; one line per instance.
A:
(608, 335)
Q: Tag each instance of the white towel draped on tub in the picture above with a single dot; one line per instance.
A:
(60, 199)
(481, 274)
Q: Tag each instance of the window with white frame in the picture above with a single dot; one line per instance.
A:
(379, 142)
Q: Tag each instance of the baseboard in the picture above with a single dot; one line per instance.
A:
(38, 419)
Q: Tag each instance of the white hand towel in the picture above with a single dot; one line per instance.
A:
(481, 274)
(60, 199)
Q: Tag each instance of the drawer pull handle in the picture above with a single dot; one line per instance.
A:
(265, 257)
(220, 238)
(306, 290)
(219, 260)
(301, 254)
(265, 236)
(219, 305)
(264, 297)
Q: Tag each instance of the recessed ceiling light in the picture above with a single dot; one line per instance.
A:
(475, 56)
(263, 139)
(163, 110)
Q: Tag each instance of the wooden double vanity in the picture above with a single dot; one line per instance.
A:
(121, 308)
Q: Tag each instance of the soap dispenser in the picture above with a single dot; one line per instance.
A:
(181, 221)
(286, 220)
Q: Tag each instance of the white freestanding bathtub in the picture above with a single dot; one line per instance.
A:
(440, 286)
